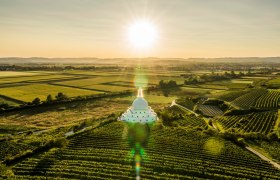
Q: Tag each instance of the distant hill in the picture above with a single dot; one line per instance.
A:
(92, 60)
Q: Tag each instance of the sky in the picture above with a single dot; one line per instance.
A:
(98, 28)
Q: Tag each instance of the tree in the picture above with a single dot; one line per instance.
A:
(273, 136)
(49, 98)
(61, 97)
(172, 83)
(36, 101)
(5, 172)
(4, 106)
(232, 73)
(161, 84)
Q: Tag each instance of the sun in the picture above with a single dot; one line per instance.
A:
(142, 34)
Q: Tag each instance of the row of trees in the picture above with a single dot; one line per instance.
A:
(60, 98)
(51, 67)
(167, 84)
(195, 79)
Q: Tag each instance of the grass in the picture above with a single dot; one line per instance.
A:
(26, 86)
(11, 103)
(34, 78)
(153, 99)
(275, 83)
(75, 112)
(17, 73)
(228, 84)
(52, 117)
(29, 92)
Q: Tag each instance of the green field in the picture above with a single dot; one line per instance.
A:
(17, 73)
(202, 138)
(105, 152)
(25, 86)
(9, 102)
(274, 83)
(29, 92)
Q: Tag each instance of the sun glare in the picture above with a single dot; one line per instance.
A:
(142, 34)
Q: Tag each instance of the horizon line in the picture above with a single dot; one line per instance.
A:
(140, 57)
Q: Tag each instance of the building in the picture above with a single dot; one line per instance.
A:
(140, 111)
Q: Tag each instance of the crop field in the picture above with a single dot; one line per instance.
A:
(274, 83)
(229, 96)
(17, 73)
(105, 152)
(269, 100)
(248, 100)
(199, 90)
(29, 92)
(210, 110)
(181, 145)
(273, 149)
(230, 84)
(262, 122)
(9, 149)
(78, 83)
(33, 78)
(186, 119)
(29, 85)
(101, 84)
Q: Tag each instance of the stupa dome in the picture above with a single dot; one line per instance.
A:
(140, 103)
(139, 112)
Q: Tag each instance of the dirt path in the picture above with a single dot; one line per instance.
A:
(263, 157)
(276, 165)
(173, 103)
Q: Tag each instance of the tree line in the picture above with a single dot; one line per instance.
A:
(58, 99)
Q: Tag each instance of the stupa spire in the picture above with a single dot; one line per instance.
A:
(140, 92)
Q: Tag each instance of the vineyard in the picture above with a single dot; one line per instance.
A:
(210, 110)
(273, 148)
(185, 118)
(230, 96)
(262, 122)
(269, 99)
(10, 149)
(248, 100)
(187, 103)
(104, 153)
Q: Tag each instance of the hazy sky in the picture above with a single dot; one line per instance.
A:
(97, 28)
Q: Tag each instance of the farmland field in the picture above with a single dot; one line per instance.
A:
(77, 83)
(15, 73)
(274, 83)
(262, 122)
(81, 137)
(29, 92)
(105, 153)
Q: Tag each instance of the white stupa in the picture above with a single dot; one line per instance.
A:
(139, 111)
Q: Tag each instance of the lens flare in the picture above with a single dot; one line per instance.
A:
(138, 136)
(140, 78)
(214, 146)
